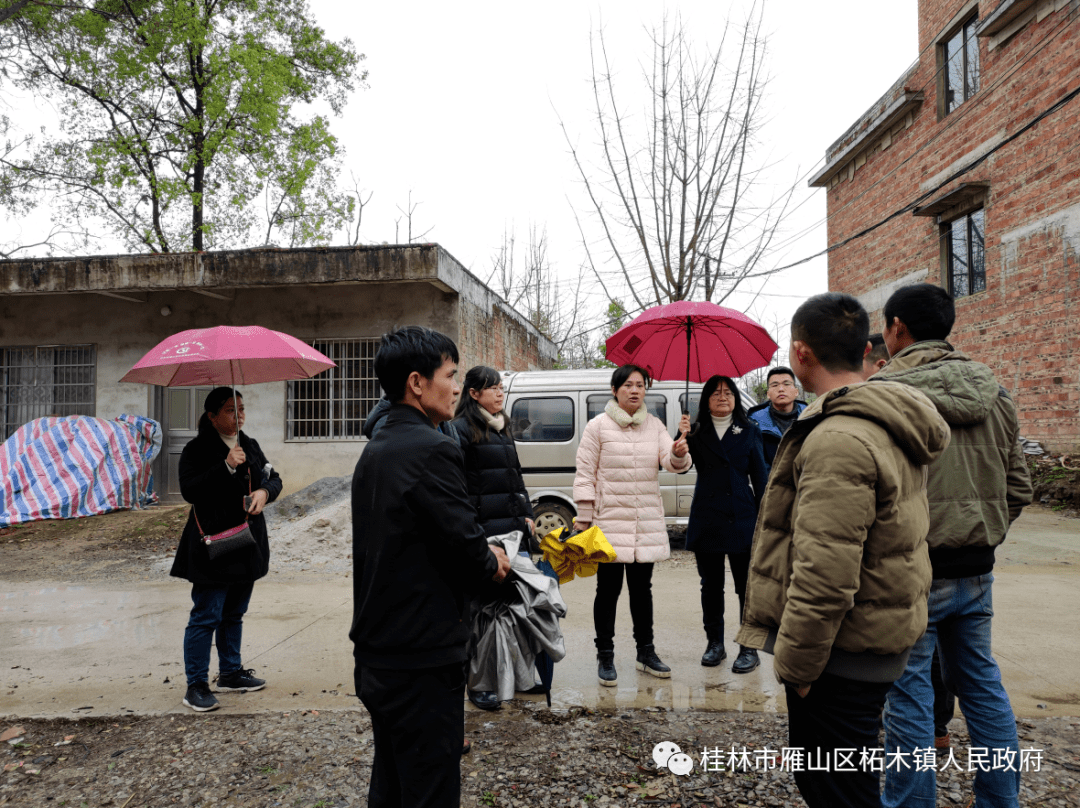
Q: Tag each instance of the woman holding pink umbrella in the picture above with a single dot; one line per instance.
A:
(228, 480)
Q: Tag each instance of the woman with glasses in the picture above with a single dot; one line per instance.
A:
(496, 488)
(731, 477)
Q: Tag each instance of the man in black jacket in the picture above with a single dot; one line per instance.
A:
(418, 549)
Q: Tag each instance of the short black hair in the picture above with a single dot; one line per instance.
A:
(621, 374)
(780, 371)
(877, 349)
(738, 415)
(927, 311)
(836, 328)
(412, 348)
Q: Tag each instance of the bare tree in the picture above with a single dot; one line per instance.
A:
(530, 285)
(407, 214)
(359, 204)
(675, 191)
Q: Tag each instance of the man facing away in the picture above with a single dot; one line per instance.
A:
(976, 489)
(776, 416)
(417, 551)
(839, 570)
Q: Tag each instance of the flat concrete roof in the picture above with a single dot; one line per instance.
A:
(220, 274)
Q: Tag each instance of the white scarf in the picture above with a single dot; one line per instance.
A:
(496, 422)
(721, 424)
(623, 418)
(230, 440)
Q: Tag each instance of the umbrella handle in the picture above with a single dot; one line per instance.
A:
(567, 535)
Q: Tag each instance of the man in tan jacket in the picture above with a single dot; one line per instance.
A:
(839, 570)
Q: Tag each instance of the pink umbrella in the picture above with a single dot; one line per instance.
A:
(692, 341)
(227, 355)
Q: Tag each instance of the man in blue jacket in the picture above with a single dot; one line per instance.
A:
(782, 410)
(418, 550)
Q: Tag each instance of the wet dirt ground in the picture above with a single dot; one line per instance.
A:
(91, 627)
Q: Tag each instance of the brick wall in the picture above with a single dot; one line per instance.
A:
(495, 339)
(1025, 324)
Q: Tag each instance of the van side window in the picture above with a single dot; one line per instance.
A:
(542, 419)
(656, 403)
(695, 402)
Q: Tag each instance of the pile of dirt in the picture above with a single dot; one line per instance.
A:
(1057, 483)
(312, 528)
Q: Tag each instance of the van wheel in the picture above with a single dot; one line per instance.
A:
(551, 516)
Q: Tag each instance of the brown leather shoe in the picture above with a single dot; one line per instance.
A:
(942, 741)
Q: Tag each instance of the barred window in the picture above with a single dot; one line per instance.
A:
(46, 380)
(335, 404)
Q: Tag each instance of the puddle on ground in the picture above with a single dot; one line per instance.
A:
(676, 697)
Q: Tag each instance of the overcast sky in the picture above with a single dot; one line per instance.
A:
(464, 100)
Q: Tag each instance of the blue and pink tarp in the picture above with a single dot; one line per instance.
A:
(64, 468)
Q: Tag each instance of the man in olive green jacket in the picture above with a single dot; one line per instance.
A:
(976, 489)
(839, 570)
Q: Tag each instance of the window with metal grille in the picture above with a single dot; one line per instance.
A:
(960, 66)
(335, 404)
(966, 254)
(46, 380)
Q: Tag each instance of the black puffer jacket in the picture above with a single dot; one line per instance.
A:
(217, 498)
(493, 476)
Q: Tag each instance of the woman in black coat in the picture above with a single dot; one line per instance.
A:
(731, 476)
(218, 469)
(493, 476)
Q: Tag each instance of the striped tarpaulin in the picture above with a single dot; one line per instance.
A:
(63, 468)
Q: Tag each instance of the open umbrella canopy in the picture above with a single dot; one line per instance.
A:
(227, 355)
(692, 341)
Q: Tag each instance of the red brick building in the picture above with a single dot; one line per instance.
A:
(966, 173)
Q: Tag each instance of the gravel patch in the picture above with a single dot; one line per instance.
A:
(523, 755)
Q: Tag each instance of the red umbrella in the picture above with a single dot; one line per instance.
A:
(692, 341)
(227, 355)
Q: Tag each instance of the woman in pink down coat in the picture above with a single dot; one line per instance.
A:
(618, 486)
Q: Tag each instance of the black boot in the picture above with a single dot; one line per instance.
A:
(746, 661)
(714, 654)
(485, 699)
(605, 669)
(650, 663)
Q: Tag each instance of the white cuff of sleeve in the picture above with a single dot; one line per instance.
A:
(230, 468)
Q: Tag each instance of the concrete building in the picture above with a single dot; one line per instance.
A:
(966, 174)
(71, 327)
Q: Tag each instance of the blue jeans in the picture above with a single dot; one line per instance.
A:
(220, 610)
(959, 612)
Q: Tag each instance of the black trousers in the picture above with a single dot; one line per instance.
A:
(609, 579)
(837, 713)
(418, 720)
(710, 567)
(944, 700)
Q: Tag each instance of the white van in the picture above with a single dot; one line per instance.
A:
(548, 410)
